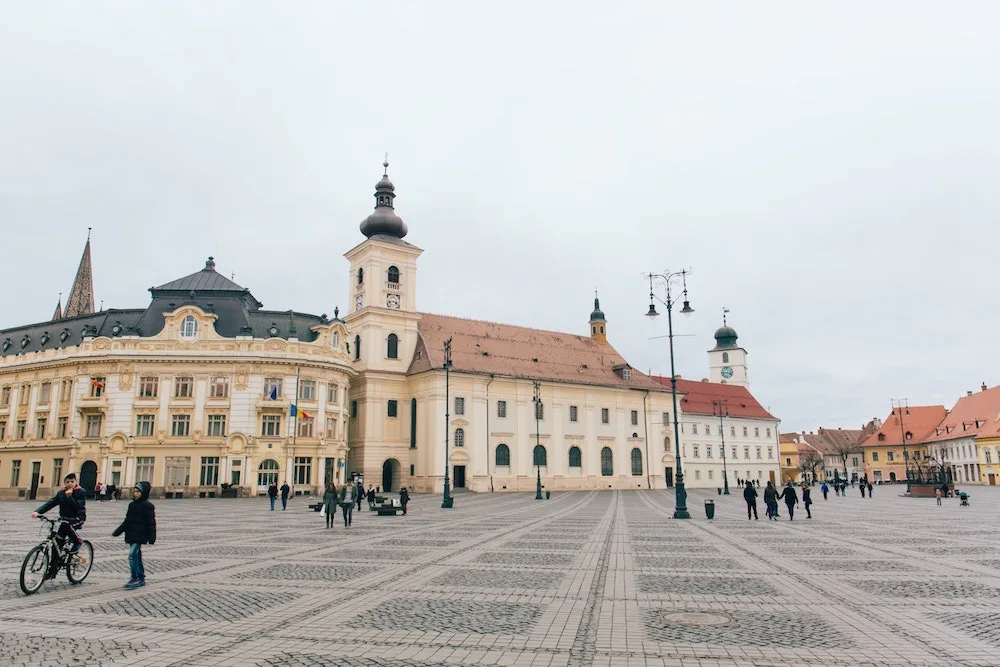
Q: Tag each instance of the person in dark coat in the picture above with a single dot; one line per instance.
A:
(359, 493)
(72, 502)
(285, 490)
(330, 502)
(771, 501)
(139, 527)
(371, 497)
(807, 500)
(404, 498)
(791, 499)
(750, 495)
(272, 493)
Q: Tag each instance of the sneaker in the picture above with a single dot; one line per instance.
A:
(131, 583)
(140, 583)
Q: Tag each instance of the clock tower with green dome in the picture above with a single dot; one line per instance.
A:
(727, 361)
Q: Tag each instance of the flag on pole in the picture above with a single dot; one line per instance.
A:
(296, 412)
(274, 393)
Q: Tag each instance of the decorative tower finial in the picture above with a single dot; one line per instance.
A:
(724, 312)
(384, 221)
(58, 314)
(385, 166)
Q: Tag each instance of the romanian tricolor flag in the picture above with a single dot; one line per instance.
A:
(300, 414)
(97, 384)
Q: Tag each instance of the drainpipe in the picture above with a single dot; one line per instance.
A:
(645, 433)
(488, 471)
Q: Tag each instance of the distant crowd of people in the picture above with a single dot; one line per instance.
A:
(791, 497)
(346, 497)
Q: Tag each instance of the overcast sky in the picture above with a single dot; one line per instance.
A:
(827, 169)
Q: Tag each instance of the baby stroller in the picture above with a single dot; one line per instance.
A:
(964, 498)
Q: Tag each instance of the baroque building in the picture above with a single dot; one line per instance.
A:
(200, 388)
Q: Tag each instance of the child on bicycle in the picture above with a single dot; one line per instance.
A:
(139, 527)
(72, 502)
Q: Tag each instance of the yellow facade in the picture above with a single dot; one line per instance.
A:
(789, 455)
(989, 459)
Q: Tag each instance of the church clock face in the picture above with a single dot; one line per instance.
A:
(392, 301)
(359, 302)
(727, 372)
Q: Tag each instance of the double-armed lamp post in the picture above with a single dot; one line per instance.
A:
(447, 502)
(721, 408)
(668, 280)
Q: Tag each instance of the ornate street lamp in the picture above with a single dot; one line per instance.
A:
(721, 408)
(668, 280)
(447, 502)
(537, 454)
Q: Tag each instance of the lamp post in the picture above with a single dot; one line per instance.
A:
(447, 502)
(722, 409)
(538, 444)
(668, 279)
(898, 407)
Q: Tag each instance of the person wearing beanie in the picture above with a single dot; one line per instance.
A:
(139, 527)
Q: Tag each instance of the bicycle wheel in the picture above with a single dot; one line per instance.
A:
(80, 563)
(34, 569)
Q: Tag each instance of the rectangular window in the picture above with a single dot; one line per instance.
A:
(272, 388)
(331, 428)
(392, 408)
(144, 468)
(697, 474)
(22, 425)
(768, 433)
(306, 427)
(734, 452)
(180, 426)
(25, 394)
(666, 418)
(502, 409)
(694, 429)
(746, 452)
(788, 462)
(720, 429)
(4, 396)
(770, 453)
(40, 427)
(874, 457)
(219, 388)
(145, 425)
(15, 473)
(708, 429)
(183, 387)
(890, 456)
(96, 387)
(697, 451)
(66, 390)
(605, 416)
(177, 470)
(216, 426)
(572, 413)
(708, 451)
(710, 474)
(63, 427)
(745, 432)
(45, 396)
(307, 390)
(635, 418)
(459, 405)
(732, 431)
(209, 471)
(3, 429)
(756, 432)
(759, 453)
(331, 393)
(57, 465)
(302, 470)
(270, 426)
(149, 386)
(354, 409)
(854, 461)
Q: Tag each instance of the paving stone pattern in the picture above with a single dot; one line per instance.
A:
(586, 578)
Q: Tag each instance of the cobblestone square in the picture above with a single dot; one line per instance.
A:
(586, 578)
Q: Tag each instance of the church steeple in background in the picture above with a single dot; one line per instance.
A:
(81, 295)
(598, 324)
(58, 314)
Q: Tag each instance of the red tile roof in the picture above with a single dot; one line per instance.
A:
(971, 414)
(520, 352)
(698, 397)
(920, 421)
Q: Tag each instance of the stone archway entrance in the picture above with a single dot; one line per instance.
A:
(390, 476)
(88, 476)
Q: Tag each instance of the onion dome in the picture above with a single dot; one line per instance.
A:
(725, 336)
(598, 314)
(384, 221)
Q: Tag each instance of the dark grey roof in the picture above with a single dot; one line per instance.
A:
(68, 332)
(208, 279)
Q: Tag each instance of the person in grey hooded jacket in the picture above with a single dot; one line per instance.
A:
(139, 527)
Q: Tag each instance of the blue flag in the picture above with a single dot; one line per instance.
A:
(293, 411)
(274, 393)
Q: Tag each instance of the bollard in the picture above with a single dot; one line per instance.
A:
(710, 509)
(548, 494)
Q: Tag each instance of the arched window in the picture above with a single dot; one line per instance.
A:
(607, 464)
(393, 274)
(503, 456)
(357, 347)
(636, 462)
(725, 357)
(460, 437)
(392, 347)
(335, 340)
(361, 276)
(539, 458)
(602, 329)
(575, 458)
(267, 473)
(189, 327)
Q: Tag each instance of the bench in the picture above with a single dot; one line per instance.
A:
(315, 507)
(387, 509)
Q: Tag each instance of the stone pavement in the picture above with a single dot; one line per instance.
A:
(605, 578)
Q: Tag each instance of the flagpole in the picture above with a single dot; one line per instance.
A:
(295, 424)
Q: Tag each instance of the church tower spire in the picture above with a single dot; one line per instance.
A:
(81, 295)
(383, 221)
(58, 314)
(598, 325)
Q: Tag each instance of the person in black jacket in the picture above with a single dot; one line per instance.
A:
(771, 501)
(272, 493)
(139, 527)
(791, 499)
(72, 502)
(750, 495)
(285, 490)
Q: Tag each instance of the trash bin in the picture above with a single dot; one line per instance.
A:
(548, 494)
(710, 509)
(719, 489)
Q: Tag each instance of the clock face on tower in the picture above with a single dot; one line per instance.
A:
(392, 301)
(727, 372)
(359, 302)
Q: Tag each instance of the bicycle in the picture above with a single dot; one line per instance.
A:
(45, 560)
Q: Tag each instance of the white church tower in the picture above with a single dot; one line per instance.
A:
(727, 361)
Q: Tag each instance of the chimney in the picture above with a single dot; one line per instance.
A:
(968, 393)
(984, 387)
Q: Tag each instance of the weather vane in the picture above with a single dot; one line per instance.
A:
(724, 311)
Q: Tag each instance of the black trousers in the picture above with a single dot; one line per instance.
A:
(751, 507)
(791, 511)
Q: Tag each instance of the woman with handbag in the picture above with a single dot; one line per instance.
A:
(347, 499)
(330, 501)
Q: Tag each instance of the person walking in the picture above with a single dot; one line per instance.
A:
(371, 497)
(348, 496)
(771, 501)
(749, 495)
(97, 491)
(862, 487)
(937, 495)
(139, 527)
(869, 490)
(359, 494)
(807, 500)
(285, 490)
(404, 498)
(330, 501)
(825, 489)
(791, 499)
(272, 493)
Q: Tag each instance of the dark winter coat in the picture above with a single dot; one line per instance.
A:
(139, 525)
(404, 496)
(72, 506)
(285, 490)
(770, 494)
(791, 498)
(806, 497)
(749, 494)
(272, 491)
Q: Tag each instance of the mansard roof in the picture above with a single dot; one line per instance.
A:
(699, 398)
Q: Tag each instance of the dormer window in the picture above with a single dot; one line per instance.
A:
(189, 327)
(63, 335)
(393, 274)
(626, 373)
(881, 437)
(909, 436)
